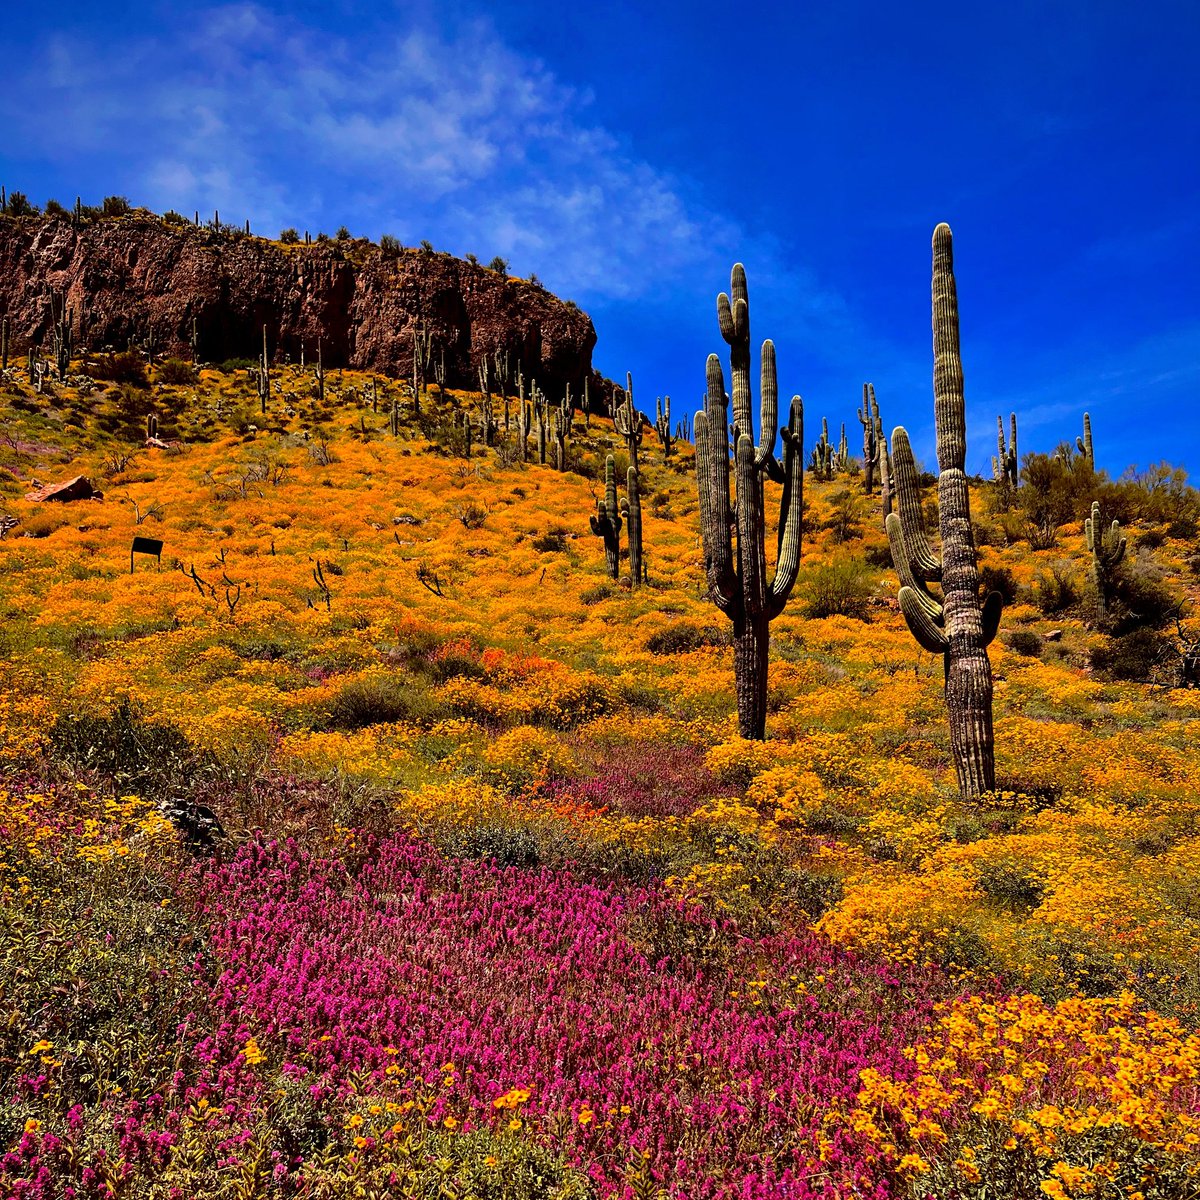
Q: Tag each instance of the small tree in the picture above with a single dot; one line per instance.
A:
(499, 265)
(114, 206)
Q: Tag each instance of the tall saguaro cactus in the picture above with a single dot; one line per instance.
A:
(606, 523)
(958, 626)
(737, 575)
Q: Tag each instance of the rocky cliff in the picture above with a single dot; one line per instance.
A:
(131, 277)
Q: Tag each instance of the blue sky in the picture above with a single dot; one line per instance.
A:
(629, 154)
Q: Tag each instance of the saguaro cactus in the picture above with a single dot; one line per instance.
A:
(1005, 467)
(737, 583)
(606, 523)
(824, 457)
(264, 373)
(1084, 444)
(868, 417)
(1107, 548)
(627, 421)
(662, 424)
(632, 508)
(959, 626)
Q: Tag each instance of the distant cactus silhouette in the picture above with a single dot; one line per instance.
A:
(606, 523)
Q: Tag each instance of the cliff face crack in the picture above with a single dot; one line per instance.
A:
(136, 276)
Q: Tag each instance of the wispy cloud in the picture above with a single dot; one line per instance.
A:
(449, 135)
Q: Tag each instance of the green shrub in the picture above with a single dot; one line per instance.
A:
(133, 753)
(380, 700)
(839, 588)
(1026, 642)
(288, 236)
(593, 595)
(998, 579)
(176, 371)
(1011, 885)
(1132, 656)
(682, 637)
(114, 206)
(1056, 588)
(125, 367)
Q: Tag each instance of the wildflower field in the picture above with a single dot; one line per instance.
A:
(503, 905)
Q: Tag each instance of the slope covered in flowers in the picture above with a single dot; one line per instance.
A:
(505, 906)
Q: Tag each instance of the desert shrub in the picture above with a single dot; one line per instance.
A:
(45, 521)
(879, 556)
(1132, 656)
(845, 521)
(132, 752)
(593, 595)
(288, 236)
(681, 637)
(379, 699)
(813, 892)
(171, 217)
(390, 246)
(839, 588)
(176, 371)
(1052, 493)
(499, 265)
(125, 367)
(550, 542)
(114, 206)
(1056, 588)
(1011, 885)
(54, 209)
(1025, 641)
(19, 206)
(501, 844)
(998, 579)
(828, 821)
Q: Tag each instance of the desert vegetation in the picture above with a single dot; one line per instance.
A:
(475, 797)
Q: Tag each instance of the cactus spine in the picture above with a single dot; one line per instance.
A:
(606, 523)
(958, 626)
(1107, 549)
(738, 582)
(1005, 467)
(1084, 444)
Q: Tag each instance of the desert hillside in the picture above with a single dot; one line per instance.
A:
(375, 839)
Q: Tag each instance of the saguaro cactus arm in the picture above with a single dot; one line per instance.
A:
(712, 471)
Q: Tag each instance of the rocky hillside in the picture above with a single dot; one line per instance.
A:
(136, 276)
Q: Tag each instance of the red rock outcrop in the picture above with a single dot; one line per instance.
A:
(79, 488)
(129, 277)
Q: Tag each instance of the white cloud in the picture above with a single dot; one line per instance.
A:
(450, 136)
